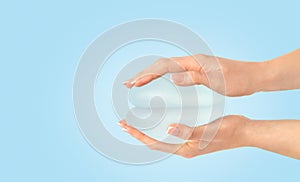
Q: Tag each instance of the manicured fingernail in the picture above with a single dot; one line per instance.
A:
(177, 78)
(119, 124)
(124, 83)
(173, 130)
(128, 83)
(133, 82)
(124, 129)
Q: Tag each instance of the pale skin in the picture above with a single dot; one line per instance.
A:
(240, 78)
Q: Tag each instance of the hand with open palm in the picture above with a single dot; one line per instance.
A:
(231, 134)
(237, 78)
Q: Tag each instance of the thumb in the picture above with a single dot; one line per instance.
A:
(185, 132)
(187, 78)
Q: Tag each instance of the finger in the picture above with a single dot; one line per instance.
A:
(210, 132)
(185, 132)
(150, 142)
(137, 134)
(189, 78)
(156, 70)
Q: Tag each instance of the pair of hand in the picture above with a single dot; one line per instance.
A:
(238, 78)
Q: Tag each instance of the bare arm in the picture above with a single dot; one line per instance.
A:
(279, 136)
(282, 73)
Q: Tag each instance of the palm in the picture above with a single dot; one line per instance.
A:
(228, 135)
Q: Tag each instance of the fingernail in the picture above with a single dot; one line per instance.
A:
(124, 83)
(177, 78)
(133, 82)
(173, 130)
(119, 124)
(124, 129)
(129, 83)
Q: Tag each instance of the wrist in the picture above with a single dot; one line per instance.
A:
(254, 77)
(243, 78)
(244, 132)
(267, 80)
(262, 76)
(255, 133)
(250, 133)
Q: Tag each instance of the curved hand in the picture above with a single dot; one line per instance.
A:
(207, 70)
(230, 135)
(281, 136)
(241, 78)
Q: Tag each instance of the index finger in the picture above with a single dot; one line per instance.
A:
(151, 142)
(156, 70)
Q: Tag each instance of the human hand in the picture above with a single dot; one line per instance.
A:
(279, 136)
(232, 133)
(228, 77)
(240, 78)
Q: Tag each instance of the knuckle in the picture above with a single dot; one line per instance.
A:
(162, 61)
(202, 56)
(152, 147)
(195, 77)
(187, 155)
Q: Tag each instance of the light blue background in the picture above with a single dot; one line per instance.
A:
(41, 43)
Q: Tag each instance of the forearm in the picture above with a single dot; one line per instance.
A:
(281, 136)
(281, 73)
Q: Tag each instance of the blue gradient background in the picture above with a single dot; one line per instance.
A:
(41, 43)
